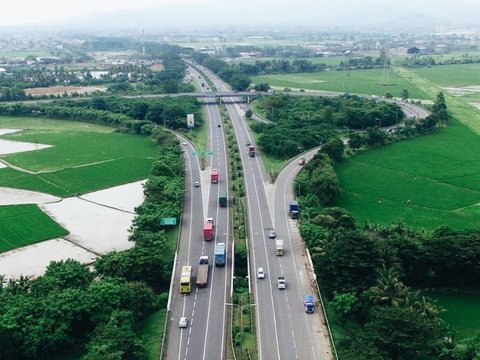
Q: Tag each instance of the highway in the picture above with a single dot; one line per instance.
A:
(284, 330)
(205, 337)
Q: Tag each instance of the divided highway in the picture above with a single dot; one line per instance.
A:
(205, 336)
(284, 329)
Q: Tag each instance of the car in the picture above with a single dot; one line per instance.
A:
(183, 322)
(272, 234)
(260, 273)
(184, 143)
(248, 143)
(301, 161)
(281, 283)
(196, 184)
(219, 125)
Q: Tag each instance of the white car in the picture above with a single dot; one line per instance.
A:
(260, 273)
(272, 234)
(184, 143)
(183, 322)
(196, 184)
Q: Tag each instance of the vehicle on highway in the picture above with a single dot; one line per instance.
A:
(202, 273)
(214, 176)
(219, 125)
(281, 283)
(208, 231)
(293, 209)
(279, 247)
(183, 322)
(309, 304)
(260, 273)
(301, 161)
(196, 184)
(248, 143)
(222, 199)
(184, 143)
(220, 254)
(272, 234)
(186, 279)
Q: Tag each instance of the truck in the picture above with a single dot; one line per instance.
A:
(220, 254)
(222, 199)
(202, 273)
(208, 231)
(279, 247)
(293, 209)
(281, 284)
(309, 304)
(251, 151)
(214, 176)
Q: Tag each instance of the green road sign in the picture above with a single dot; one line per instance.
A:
(168, 221)
(203, 153)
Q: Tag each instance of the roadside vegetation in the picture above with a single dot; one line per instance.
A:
(73, 306)
(372, 274)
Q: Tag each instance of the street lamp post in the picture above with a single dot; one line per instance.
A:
(241, 311)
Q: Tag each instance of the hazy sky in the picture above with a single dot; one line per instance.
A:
(20, 12)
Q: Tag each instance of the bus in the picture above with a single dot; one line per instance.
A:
(186, 280)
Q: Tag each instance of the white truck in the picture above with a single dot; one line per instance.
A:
(279, 247)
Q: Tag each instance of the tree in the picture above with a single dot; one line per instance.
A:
(334, 148)
(389, 290)
(116, 340)
(405, 95)
(349, 262)
(399, 331)
(374, 136)
(344, 305)
(355, 140)
(324, 183)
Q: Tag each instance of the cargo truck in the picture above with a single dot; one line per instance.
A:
(202, 273)
(293, 209)
(220, 254)
(208, 231)
(222, 199)
(309, 304)
(214, 176)
(279, 247)
(251, 151)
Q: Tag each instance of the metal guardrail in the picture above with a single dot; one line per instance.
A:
(332, 342)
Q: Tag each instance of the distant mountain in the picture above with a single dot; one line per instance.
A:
(372, 14)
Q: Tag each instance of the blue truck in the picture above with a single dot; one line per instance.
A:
(220, 254)
(309, 304)
(293, 209)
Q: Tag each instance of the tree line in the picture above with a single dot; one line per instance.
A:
(298, 124)
(138, 116)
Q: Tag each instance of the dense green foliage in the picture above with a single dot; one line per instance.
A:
(366, 274)
(132, 115)
(298, 124)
